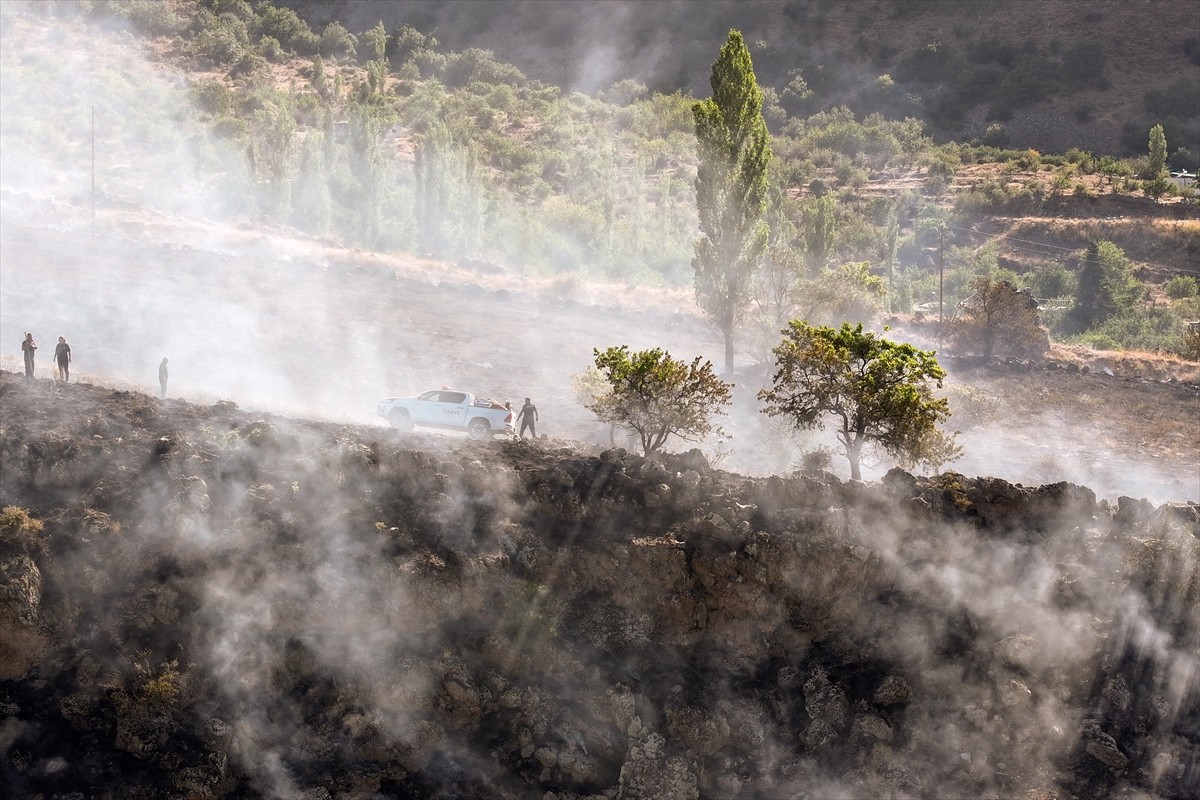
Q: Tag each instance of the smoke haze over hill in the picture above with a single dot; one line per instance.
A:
(254, 589)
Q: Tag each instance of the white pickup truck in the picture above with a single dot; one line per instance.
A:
(448, 409)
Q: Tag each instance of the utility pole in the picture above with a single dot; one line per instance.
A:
(93, 169)
(941, 273)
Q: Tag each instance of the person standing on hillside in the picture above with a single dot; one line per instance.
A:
(62, 357)
(162, 378)
(528, 416)
(27, 348)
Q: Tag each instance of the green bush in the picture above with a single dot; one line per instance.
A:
(219, 39)
(1182, 286)
(337, 42)
(285, 26)
(270, 49)
(1157, 329)
(213, 97)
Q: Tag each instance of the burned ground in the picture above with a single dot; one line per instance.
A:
(201, 601)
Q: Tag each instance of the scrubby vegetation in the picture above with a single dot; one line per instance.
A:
(385, 140)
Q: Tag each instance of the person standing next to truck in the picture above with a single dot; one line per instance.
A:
(27, 348)
(528, 416)
(62, 357)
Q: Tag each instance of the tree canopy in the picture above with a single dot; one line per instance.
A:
(1106, 286)
(997, 312)
(656, 396)
(877, 391)
(731, 189)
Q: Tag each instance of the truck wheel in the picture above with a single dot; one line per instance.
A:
(479, 429)
(400, 419)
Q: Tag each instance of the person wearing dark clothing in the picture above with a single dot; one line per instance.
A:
(62, 357)
(162, 378)
(27, 347)
(528, 416)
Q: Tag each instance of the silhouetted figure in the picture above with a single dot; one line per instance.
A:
(528, 416)
(62, 357)
(27, 347)
(162, 378)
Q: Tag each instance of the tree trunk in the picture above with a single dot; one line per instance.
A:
(854, 454)
(728, 351)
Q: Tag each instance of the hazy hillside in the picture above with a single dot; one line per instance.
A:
(1124, 51)
(253, 588)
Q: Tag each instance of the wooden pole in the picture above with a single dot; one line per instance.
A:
(93, 169)
(941, 274)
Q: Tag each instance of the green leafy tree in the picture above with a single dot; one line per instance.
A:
(312, 203)
(877, 391)
(374, 43)
(849, 293)
(1158, 152)
(271, 149)
(731, 189)
(337, 42)
(655, 396)
(819, 231)
(286, 26)
(431, 170)
(368, 163)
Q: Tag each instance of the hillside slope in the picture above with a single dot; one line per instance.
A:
(840, 48)
(206, 603)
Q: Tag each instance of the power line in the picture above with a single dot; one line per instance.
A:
(1071, 250)
(1015, 239)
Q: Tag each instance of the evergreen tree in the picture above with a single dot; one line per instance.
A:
(318, 77)
(1106, 287)
(731, 189)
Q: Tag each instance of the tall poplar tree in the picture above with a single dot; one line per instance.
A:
(1158, 151)
(731, 189)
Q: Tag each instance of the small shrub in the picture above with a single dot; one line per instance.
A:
(152, 16)
(271, 49)
(815, 461)
(161, 688)
(21, 533)
(1182, 286)
(217, 44)
(247, 65)
(969, 407)
(214, 97)
(996, 135)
